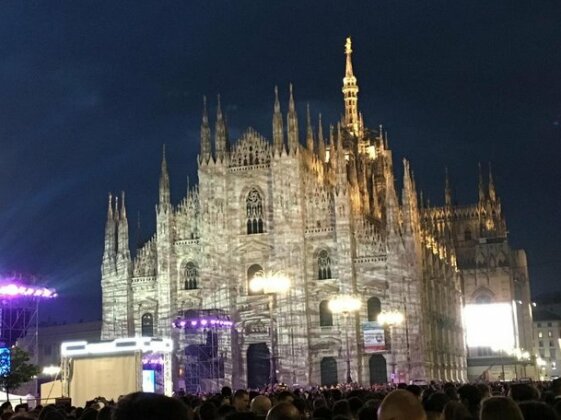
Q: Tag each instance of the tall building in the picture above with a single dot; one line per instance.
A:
(326, 214)
(493, 275)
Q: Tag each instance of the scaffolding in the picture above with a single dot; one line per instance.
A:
(204, 360)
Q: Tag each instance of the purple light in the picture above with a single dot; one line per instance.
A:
(153, 361)
(193, 323)
(14, 290)
(203, 321)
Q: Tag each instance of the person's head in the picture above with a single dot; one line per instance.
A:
(534, 410)
(226, 391)
(355, 403)
(207, 411)
(285, 396)
(401, 405)
(500, 408)
(104, 413)
(260, 405)
(524, 392)
(484, 390)
(322, 413)
(436, 402)
(341, 408)
(415, 390)
(7, 406)
(89, 414)
(470, 397)
(556, 386)
(241, 400)
(149, 406)
(283, 411)
(455, 410)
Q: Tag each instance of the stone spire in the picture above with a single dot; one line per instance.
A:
(321, 141)
(332, 150)
(309, 130)
(205, 136)
(278, 132)
(164, 201)
(110, 250)
(123, 237)
(447, 189)
(220, 135)
(407, 198)
(492, 192)
(292, 125)
(350, 94)
(481, 187)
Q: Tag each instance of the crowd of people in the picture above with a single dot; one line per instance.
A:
(482, 401)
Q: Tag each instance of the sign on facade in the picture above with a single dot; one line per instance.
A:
(374, 340)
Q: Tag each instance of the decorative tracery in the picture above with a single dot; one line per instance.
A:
(254, 209)
(191, 276)
(324, 265)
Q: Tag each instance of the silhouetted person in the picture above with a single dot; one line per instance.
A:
(455, 410)
(401, 405)
(149, 406)
(283, 411)
(470, 396)
(434, 405)
(260, 406)
(500, 408)
(241, 401)
(534, 410)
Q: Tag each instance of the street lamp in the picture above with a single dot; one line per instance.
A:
(345, 305)
(271, 284)
(391, 319)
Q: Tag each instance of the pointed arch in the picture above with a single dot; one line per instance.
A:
(374, 307)
(253, 271)
(147, 325)
(483, 295)
(254, 212)
(325, 315)
(324, 264)
(191, 276)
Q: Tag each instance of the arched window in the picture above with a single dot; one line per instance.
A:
(254, 209)
(191, 276)
(325, 315)
(324, 265)
(147, 325)
(483, 298)
(374, 307)
(252, 271)
(467, 235)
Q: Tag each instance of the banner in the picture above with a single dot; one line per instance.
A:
(374, 340)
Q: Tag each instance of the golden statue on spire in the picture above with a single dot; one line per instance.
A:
(348, 45)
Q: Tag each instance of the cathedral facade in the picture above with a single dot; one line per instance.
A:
(326, 214)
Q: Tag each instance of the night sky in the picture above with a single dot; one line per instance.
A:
(91, 90)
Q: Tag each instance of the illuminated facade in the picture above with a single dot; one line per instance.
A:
(492, 273)
(326, 214)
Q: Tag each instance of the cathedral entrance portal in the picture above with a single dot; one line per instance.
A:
(258, 365)
(328, 371)
(378, 369)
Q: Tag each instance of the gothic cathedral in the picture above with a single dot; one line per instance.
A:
(325, 214)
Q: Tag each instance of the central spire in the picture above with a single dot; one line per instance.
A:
(350, 94)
